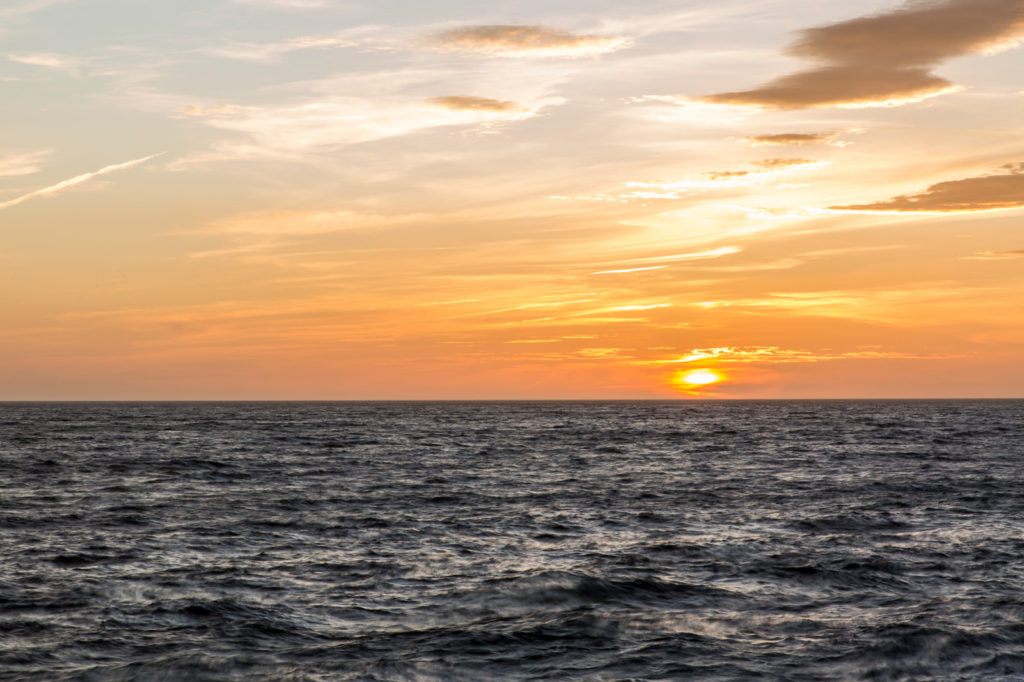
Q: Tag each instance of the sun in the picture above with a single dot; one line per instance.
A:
(698, 377)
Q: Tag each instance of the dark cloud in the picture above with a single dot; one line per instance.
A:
(468, 103)
(524, 39)
(982, 193)
(886, 58)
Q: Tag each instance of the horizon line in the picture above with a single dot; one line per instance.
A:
(493, 400)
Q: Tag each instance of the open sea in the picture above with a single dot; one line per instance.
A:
(784, 540)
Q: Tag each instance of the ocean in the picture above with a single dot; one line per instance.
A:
(777, 540)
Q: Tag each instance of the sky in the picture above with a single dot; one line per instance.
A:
(339, 199)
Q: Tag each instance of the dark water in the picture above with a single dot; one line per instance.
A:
(492, 541)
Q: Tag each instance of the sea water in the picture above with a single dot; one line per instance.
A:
(797, 540)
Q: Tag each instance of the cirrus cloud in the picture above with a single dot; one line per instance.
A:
(886, 59)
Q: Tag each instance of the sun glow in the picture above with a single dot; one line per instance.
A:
(698, 377)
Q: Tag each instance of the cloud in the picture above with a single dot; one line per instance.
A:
(982, 193)
(773, 164)
(294, 223)
(796, 139)
(469, 103)
(208, 111)
(625, 270)
(896, 306)
(534, 41)
(16, 12)
(886, 59)
(261, 52)
(22, 8)
(46, 59)
(777, 355)
(997, 255)
(287, 4)
(725, 175)
(321, 123)
(696, 255)
(77, 180)
(767, 171)
(22, 164)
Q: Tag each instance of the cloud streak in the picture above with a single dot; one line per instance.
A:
(23, 8)
(469, 103)
(293, 223)
(697, 255)
(981, 193)
(530, 41)
(325, 122)
(22, 164)
(886, 59)
(777, 355)
(997, 255)
(767, 171)
(77, 180)
(270, 51)
(626, 270)
(49, 60)
(286, 4)
(795, 139)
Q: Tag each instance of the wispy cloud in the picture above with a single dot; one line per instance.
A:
(470, 103)
(18, 9)
(531, 41)
(997, 255)
(626, 270)
(17, 12)
(767, 170)
(790, 262)
(49, 60)
(77, 180)
(888, 58)
(777, 163)
(292, 223)
(893, 306)
(286, 4)
(22, 164)
(261, 52)
(777, 355)
(797, 139)
(982, 193)
(693, 255)
(330, 121)
(209, 111)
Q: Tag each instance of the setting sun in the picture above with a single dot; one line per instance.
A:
(699, 377)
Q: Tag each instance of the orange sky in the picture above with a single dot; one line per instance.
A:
(316, 199)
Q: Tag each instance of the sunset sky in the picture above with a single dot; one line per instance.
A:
(339, 199)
